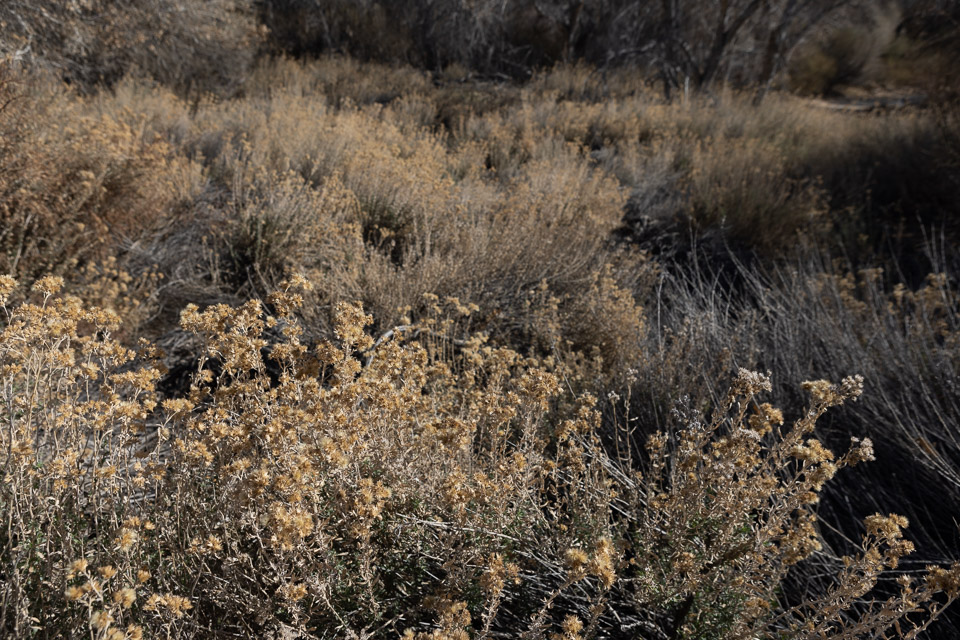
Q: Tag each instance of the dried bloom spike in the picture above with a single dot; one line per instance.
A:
(7, 286)
(750, 383)
(493, 580)
(860, 451)
(48, 285)
(77, 567)
(572, 626)
(293, 591)
(299, 281)
(213, 544)
(106, 572)
(126, 540)
(349, 324)
(154, 602)
(74, 593)
(576, 559)
(602, 563)
(656, 443)
(945, 580)
(851, 387)
(831, 395)
(765, 417)
(887, 527)
(101, 620)
(177, 605)
(125, 597)
(819, 389)
(801, 539)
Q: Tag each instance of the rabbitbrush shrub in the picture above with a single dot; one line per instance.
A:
(423, 484)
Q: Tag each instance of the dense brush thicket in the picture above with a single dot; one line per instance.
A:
(197, 47)
(329, 348)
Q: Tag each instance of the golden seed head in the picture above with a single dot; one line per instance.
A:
(125, 597)
(106, 572)
(101, 620)
(77, 567)
(572, 626)
(576, 560)
(74, 593)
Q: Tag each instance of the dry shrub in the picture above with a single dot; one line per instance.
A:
(773, 169)
(432, 486)
(583, 82)
(373, 205)
(839, 59)
(273, 228)
(75, 182)
(741, 189)
(338, 79)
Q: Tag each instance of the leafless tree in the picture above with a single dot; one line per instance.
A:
(692, 43)
(695, 43)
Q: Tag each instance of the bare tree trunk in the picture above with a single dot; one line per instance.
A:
(723, 36)
(780, 46)
(670, 63)
(573, 29)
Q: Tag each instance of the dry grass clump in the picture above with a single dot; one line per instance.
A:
(834, 321)
(761, 177)
(427, 485)
(816, 319)
(341, 80)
